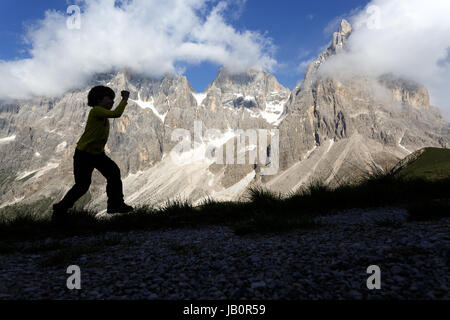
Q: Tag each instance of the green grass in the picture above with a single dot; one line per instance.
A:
(261, 211)
(433, 164)
(27, 211)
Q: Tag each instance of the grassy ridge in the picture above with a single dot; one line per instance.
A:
(433, 164)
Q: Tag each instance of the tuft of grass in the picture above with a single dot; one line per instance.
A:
(261, 196)
(211, 211)
(23, 225)
(177, 207)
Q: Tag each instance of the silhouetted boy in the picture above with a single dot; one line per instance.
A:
(90, 154)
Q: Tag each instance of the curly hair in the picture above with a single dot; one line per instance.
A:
(97, 94)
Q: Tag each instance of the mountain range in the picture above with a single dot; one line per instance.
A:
(330, 127)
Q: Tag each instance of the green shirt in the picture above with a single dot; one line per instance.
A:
(96, 132)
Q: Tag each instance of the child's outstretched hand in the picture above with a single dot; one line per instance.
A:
(125, 95)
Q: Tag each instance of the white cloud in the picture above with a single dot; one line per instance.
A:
(410, 38)
(145, 36)
(236, 8)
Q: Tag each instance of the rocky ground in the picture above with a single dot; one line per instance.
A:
(328, 262)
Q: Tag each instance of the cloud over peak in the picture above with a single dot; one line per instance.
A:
(409, 38)
(145, 36)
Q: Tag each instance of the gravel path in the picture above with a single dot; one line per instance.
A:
(329, 262)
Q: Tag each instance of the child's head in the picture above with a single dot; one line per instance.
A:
(101, 96)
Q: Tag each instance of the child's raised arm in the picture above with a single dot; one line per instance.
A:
(117, 112)
(125, 95)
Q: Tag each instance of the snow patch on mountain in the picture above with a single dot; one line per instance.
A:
(402, 147)
(48, 167)
(39, 172)
(149, 105)
(330, 145)
(201, 152)
(309, 152)
(25, 174)
(7, 139)
(273, 112)
(199, 97)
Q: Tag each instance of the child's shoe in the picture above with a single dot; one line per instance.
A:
(121, 208)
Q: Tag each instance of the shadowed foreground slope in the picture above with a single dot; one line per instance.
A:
(420, 183)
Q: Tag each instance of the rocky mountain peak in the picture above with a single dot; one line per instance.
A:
(345, 28)
(253, 89)
(226, 78)
(340, 37)
(250, 80)
(337, 44)
(406, 91)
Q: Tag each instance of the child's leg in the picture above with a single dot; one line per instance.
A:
(114, 190)
(83, 165)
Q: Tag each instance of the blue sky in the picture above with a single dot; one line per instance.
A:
(14, 15)
(295, 27)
